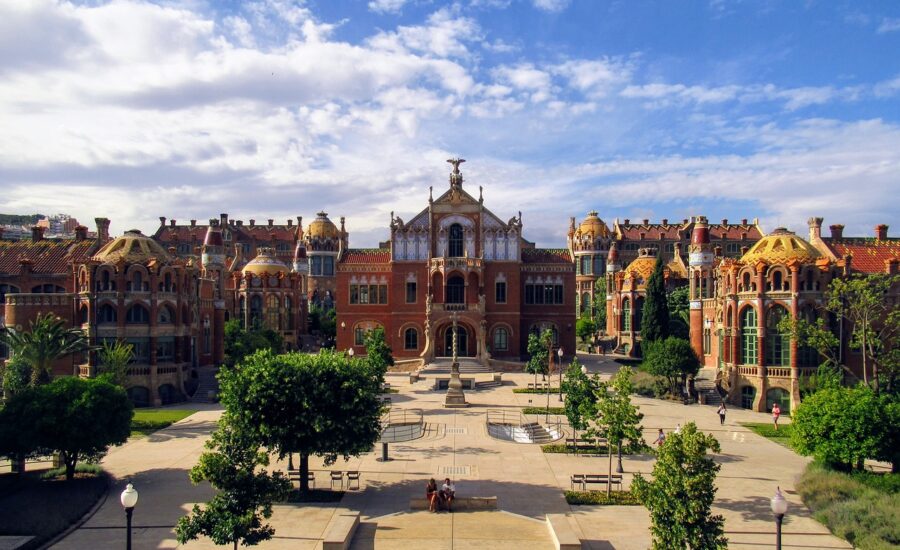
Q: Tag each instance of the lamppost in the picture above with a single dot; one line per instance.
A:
(779, 507)
(559, 353)
(350, 352)
(129, 500)
(549, 379)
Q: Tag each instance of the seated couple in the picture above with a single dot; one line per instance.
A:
(442, 498)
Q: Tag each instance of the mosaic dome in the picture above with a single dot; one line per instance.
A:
(779, 247)
(322, 227)
(135, 248)
(265, 262)
(593, 225)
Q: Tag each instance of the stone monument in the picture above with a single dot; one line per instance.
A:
(455, 397)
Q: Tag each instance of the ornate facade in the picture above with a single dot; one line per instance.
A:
(456, 258)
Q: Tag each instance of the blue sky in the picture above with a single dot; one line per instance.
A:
(779, 110)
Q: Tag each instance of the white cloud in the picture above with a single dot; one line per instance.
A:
(444, 35)
(889, 24)
(595, 78)
(525, 76)
(551, 5)
(387, 6)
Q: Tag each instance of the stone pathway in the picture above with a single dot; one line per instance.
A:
(527, 482)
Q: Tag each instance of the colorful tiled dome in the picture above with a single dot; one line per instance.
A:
(780, 247)
(135, 248)
(322, 227)
(265, 262)
(593, 225)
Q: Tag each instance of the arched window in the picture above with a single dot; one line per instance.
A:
(105, 282)
(626, 314)
(455, 248)
(585, 302)
(255, 311)
(137, 315)
(778, 344)
(289, 313)
(47, 289)
(106, 314)
(748, 395)
(164, 316)
(167, 285)
(777, 281)
(7, 289)
(242, 310)
(137, 282)
(273, 312)
(745, 283)
(83, 314)
(638, 314)
(749, 355)
(456, 290)
(501, 339)
(807, 356)
(411, 339)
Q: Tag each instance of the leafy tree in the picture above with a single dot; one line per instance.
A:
(16, 376)
(323, 320)
(672, 358)
(538, 353)
(681, 494)
(235, 467)
(378, 352)
(114, 359)
(580, 397)
(655, 315)
(600, 302)
(616, 418)
(47, 341)
(78, 418)
(585, 328)
(679, 312)
(240, 343)
(326, 404)
(889, 438)
(842, 426)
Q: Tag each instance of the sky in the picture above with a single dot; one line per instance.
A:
(777, 110)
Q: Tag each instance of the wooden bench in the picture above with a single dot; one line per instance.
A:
(294, 475)
(340, 531)
(459, 503)
(603, 479)
(581, 444)
(562, 532)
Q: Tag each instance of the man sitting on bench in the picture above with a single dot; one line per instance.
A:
(448, 493)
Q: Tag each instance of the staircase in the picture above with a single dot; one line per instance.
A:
(466, 366)
(707, 388)
(208, 385)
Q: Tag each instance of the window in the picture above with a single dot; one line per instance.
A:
(748, 395)
(273, 312)
(164, 316)
(626, 314)
(585, 303)
(544, 294)
(359, 335)
(456, 290)
(289, 312)
(669, 248)
(255, 311)
(207, 337)
(732, 249)
(778, 344)
(315, 266)
(807, 356)
(242, 310)
(749, 355)
(707, 337)
(599, 265)
(105, 283)
(631, 246)
(500, 292)
(327, 266)
(48, 289)
(282, 248)
(137, 282)
(777, 281)
(7, 289)
(141, 348)
(586, 265)
(138, 315)
(411, 338)
(501, 339)
(455, 249)
(183, 249)
(368, 294)
(165, 348)
(410, 292)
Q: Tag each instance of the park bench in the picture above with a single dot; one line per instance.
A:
(340, 531)
(294, 475)
(602, 479)
(562, 532)
(581, 444)
(538, 386)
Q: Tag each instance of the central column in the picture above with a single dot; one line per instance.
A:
(455, 397)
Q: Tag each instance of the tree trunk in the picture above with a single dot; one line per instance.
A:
(609, 470)
(864, 362)
(70, 461)
(235, 544)
(304, 471)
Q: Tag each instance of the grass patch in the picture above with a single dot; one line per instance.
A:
(543, 410)
(615, 498)
(559, 448)
(315, 495)
(92, 469)
(45, 508)
(782, 436)
(147, 421)
(390, 390)
(862, 508)
(532, 390)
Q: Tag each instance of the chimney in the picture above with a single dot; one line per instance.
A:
(172, 250)
(881, 231)
(627, 222)
(837, 231)
(743, 221)
(223, 219)
(37, 233)
(815, 228)
(646, 221)
(718, 251)
(240, 223)
(252, 222)
(890, 266)
(162, 221)
(290, 222)
(271, 222)
(665, 221)
(300, 222)
(342, 225)
(744, 250)
(80, 233)
(102, 229)
(684, 221)
(724, 221)
(172, 223)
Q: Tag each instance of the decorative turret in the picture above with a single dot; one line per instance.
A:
(612, 259)
(213, 251)
(301, 263)
(701, 259)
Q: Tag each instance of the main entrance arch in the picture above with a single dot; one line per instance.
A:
(465, 341)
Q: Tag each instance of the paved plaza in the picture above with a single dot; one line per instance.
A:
(528, 483)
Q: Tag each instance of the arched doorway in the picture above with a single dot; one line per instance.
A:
(462, 341)
(456, 290)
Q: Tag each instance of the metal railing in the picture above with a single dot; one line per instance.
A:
(398, 425)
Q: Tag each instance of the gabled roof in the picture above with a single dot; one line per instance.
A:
(682, 230)
(366, 256)
(546, 256)
(47, 256)
(869, 254)
(260, 233)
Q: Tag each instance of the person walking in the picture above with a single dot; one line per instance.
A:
(660, 438)
(776, 412)
(722, 410)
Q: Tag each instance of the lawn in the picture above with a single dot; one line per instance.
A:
(616, 498)
(782, 436)
(543, 410)
(147, 421)
(532, 390)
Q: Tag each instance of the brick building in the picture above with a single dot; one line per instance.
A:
(456, 257)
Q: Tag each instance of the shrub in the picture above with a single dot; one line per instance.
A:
(616, 498)
(93, 469)
(543, 410)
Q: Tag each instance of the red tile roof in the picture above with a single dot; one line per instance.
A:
(657, 231)
(48, 256)
(367, 256)
(734, 232)
(868, 254)
(546, 256)
(261, 233)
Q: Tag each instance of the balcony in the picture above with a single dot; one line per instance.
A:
(462, 264)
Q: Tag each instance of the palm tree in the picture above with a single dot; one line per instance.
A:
(47, 341)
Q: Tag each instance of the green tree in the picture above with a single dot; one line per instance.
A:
(114, 359)
(585, 328)
(78, 418)
(239, 343)
(679, 312)
(616, 418)
(539, 353)
(16, 376)
(673, 359)
(235, 466)
(326, 404)
(378, 352)
(580, 397)
(681, 494)
(47, 341)
(841, 426)
(600, 302)
(655, 315)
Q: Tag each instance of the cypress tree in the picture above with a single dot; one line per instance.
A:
(655, 315)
